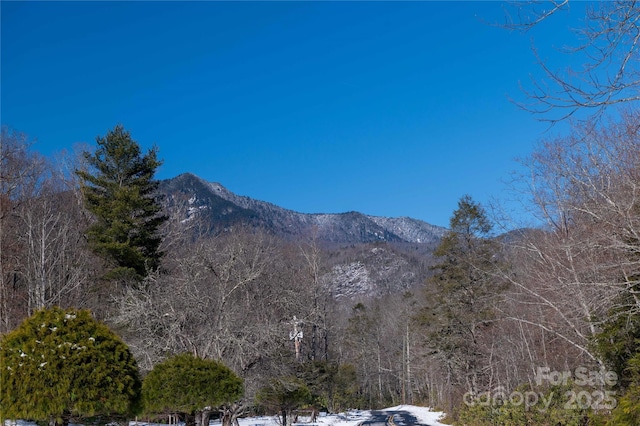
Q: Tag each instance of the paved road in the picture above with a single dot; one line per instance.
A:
(392, 418)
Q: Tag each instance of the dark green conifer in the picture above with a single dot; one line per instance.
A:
(460, 291)
(627, 411)
(62, 365)
(120, 191)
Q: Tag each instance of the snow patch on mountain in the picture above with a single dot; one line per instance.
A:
(411, 230)
(349, 280)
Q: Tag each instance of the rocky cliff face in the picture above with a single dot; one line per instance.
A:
(375, 271)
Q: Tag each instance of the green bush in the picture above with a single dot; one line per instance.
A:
(62, 365)
(628, 410)
(284, 395)
(186, 385)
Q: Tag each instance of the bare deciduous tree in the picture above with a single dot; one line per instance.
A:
(55, 258)
(609, 73)
(19, 173)
(567, 276)
(228, 297)
(42, 256)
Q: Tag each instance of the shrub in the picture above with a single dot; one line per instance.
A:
(62, 365)
(553, 406)
(284, 395)
(187, 385)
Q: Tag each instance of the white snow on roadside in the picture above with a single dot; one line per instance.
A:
(424, 414)
(351, 418)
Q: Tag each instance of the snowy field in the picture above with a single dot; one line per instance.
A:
(352, 418)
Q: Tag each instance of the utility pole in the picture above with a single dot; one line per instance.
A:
(408, 358)
(296, 335)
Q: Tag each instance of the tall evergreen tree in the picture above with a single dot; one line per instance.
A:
(120, 191)
(460, 292)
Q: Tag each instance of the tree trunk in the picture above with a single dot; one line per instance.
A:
(198, 418)
(227, 418)
(201, 418)
(229, 414)
(205, 416)
(190, 420)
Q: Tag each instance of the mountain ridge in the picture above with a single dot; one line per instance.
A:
(190, 195)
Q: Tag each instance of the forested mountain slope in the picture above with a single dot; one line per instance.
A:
(188, 195)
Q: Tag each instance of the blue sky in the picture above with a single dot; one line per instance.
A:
(387, 108)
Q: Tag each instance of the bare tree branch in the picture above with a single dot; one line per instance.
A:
(610, 74)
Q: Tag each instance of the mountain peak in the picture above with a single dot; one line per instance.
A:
(222, 208)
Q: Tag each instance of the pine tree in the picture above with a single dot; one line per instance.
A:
(333, 386)
(120, 191)
(459, 292)
(62, 365)
(187, 385)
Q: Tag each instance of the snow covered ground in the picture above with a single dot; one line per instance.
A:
(424, 415)
(352, 418)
